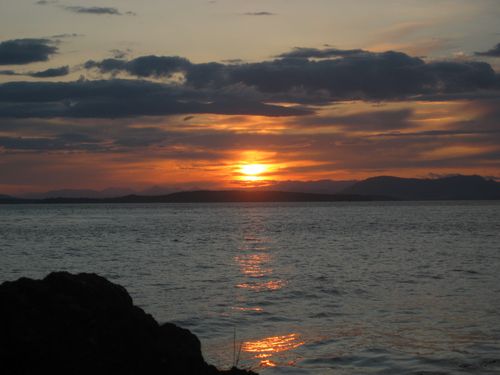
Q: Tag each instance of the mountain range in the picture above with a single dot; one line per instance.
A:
(376, 188)
(446, 188)
(315, 187)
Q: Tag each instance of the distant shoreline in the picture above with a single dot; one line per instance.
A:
(231, 196)
(209, 196)
(381, 188)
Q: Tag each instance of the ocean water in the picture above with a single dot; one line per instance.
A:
(340, 288)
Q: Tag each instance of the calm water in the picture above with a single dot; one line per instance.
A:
(354, 288)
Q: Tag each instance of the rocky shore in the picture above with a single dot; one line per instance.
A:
(84, 324)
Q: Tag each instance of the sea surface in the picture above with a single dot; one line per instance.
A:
(298, 288)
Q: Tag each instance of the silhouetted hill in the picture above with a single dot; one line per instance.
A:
(446, 188)
(8, 198)
(211, 196)
(202, 196)
(159, 190)
(79, 193)
(372, 189)
(315, 187)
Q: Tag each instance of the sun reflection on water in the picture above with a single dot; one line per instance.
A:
(259, 272)
(258, 287)
(254, 309)
(252, 265)
(265, 348)
(257, 265)
(267, 363)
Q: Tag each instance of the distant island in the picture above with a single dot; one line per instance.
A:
(209, 196)
(382, 188)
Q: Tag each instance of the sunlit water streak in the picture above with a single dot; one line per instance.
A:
(352, 288)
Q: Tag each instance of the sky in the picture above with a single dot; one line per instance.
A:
(243, 93)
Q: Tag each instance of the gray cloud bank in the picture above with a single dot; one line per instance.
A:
(51, 72)
(259, 14)
(47, 73)
(96, 10)
(338, 75)
(25, 51)
(303, 77)
(116, 98)
(494, 52)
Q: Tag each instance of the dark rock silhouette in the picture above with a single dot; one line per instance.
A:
(84, 324)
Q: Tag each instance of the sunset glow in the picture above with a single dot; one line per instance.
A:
(253, 169)
(312, 187)
(102, 105)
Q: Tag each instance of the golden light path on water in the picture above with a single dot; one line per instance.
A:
(256, 263)
(265, 348)
(269, 285)
(255, 266)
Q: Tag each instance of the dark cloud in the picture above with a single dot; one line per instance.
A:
(375, 76)
(307, 53)
(141, 137)
(438, 133)
(47, 144)
(52, 72)
(145, 66)
(93, 10)
(233, 61)
(8, 73)
(48, 73)
(364, 121)
(251, 88)
(121, 99)
(259, 14)
(25, 51)
(96, 10)
(99, 135)
(327, 151)
(87, 9)
(46, 2)
(350, 75)
(66, 35)
(494, 52)
(120, 54)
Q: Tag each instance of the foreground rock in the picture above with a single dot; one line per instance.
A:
(84, 324)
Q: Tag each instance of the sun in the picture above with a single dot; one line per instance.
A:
(253, 169)
(252, 173)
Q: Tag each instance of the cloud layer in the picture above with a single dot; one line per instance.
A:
(47, 73)
(494, 52)
(308, 113)
(337, 75)
(25, 51)
(96, 10)
(117, 98)
(79, 9)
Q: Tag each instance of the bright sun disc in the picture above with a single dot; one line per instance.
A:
(253, 169)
